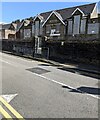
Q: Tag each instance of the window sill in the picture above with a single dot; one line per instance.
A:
(54, 34)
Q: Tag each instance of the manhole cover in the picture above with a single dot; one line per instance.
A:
(38, 70)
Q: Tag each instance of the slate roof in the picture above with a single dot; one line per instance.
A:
(66, 12)
(6, 26)
(18, 26)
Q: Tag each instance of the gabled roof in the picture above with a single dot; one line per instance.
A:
(67, 12)
(38, 16)
(15, 25)
(24, 22)
(45, 14)
(6, 26)
(78, 9)
(18, 26)
(86, 9)
(57, 15)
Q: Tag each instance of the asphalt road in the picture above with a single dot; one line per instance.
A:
(44, 91)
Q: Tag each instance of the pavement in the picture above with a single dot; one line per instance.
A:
(44, 90)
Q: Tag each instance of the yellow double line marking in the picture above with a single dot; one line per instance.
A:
(10, 108)
(3, 112)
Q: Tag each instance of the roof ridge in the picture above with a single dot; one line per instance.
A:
(57, 10)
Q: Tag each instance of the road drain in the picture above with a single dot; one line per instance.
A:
(38, 70)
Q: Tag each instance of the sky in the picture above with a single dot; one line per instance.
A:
(20, 10)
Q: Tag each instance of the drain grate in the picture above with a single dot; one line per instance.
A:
(38, 70)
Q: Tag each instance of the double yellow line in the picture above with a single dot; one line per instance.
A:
(10, 108)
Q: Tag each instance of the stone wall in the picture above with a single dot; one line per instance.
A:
(20, 47)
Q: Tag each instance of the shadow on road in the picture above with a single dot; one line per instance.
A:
(83, 89)
(43, 65)
(81, 72)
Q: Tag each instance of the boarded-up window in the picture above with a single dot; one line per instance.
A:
(93, 28)
(58, 28)
(76, 25)
(27, 33)
(33, 28)
(41, 28)
(36, 27)
(21, 33)
(48, 28)
(83, 26)
(70, 23)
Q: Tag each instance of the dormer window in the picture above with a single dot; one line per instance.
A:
(58, 28)
(70, 27)
(83, 26)
(36, 27)
(27, 33)
(76, 25)
(48, 28)
(33, 28)
(77, 10)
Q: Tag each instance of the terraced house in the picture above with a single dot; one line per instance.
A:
(61, 33)
(8, 31)
(24, 30)
(69, 24)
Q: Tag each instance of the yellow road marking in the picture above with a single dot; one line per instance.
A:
(4, 113)
(11, 108)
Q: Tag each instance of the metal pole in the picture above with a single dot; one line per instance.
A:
(48, 53)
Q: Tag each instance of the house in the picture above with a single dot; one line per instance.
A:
(63, 33)
(23, 43)
(72, 21)
(69, 24)
(7, 31)
(24, 29)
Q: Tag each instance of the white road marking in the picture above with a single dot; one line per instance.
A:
(5, 61)
(9, 97)
(60, 83)
(70, 87)
(8, 63)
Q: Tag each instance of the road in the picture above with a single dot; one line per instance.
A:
(45, 91)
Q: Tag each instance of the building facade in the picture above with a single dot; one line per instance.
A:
(24, 29)
(8, 31)
(69, 24)
(52, 30)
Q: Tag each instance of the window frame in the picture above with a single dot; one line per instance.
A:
(83, 31)
(68, 32)
(75, 26)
